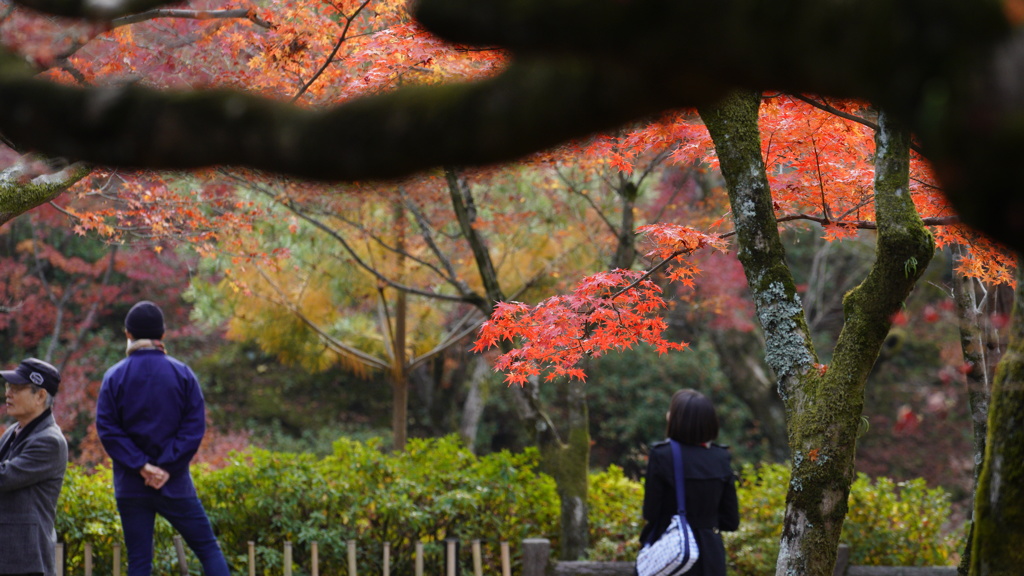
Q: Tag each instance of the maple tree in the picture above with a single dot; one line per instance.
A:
(815, 184)
(936, 94)
(476, 236)
(318, 313)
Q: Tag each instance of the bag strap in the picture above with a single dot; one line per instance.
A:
(677, 461)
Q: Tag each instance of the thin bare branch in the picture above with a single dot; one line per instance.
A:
(863, 224)
(334, 52)
(573, 189)
(466, 325)
(369, 268)
(332, 342)
(651, 272)
(427, 233)
(846, 116)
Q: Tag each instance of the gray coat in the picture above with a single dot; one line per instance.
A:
(31, 477)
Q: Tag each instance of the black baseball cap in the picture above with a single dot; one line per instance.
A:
(34, 371)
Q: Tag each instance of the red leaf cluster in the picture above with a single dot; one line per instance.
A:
(613, 310)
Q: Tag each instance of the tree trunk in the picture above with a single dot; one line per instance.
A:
(473, 407)
(569, 464)
(742, 355)
(399, 359)
(566, 462)
(999, 499)
(976, 338)
(823, 404)
(625, 246)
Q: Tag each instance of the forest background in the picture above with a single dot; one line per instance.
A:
(306, 312)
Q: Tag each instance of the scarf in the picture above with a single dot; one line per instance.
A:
(144, 344)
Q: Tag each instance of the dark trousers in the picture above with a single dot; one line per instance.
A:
(186, 515)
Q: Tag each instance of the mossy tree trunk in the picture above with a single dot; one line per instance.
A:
(999, 499)
(568, 461)
(565, 455)
(823, 404)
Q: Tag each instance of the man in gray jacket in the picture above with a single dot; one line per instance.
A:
(33, 458)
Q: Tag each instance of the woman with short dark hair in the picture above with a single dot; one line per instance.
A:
(710, 482)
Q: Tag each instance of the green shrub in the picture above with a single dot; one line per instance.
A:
(87, 511)
(753, 549)
(888, 523)
(615, 515)
(899, 524)
(432, 491)
(436, 490)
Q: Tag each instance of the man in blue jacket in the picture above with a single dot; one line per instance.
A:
(33, 459)
(151, 419)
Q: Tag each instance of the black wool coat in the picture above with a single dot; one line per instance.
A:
(711, 504)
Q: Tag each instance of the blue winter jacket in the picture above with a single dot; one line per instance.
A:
(150, 410)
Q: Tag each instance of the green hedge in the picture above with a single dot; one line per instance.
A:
(432, 491)
(436, 490)
(888, 523)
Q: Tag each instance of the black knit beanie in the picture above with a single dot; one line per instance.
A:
(145, 321)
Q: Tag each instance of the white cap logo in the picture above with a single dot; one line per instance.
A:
(36, 378)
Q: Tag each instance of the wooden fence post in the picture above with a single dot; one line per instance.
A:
(287, 559)
(387, 559)
(506, 560)
(87, 554)
(252, 558)
(117, 559)
(536, 552)
(314, 553)
(419, 559)
(351, 558)
(451, 548)
(478, 562)
(182, 560)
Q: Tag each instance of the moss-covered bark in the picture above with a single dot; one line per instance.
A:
(999, 499)
(18, 196)
(568, 463)
(823, 405)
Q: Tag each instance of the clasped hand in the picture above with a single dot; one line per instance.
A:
(155, 476)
